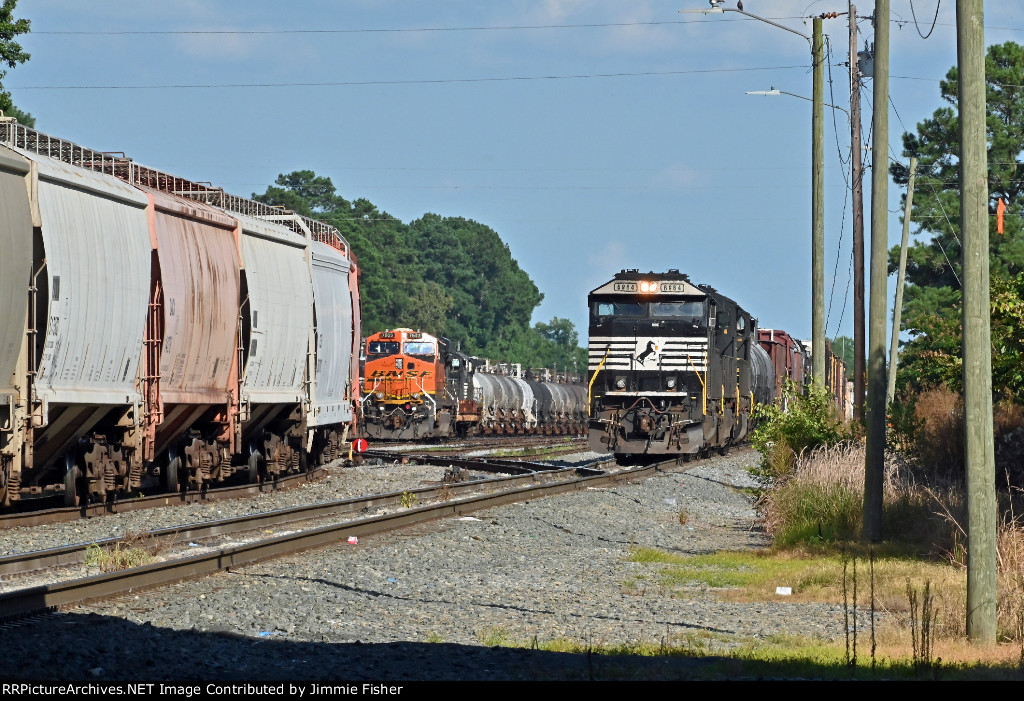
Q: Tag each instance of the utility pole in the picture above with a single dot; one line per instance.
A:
(977, 359)
(874, 411)
(818, 208)
(894, 340)
(817, 181)
(857, 177)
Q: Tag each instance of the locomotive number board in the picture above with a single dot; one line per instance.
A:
(645, 287)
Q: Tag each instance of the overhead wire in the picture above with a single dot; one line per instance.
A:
(342, 83)
(846, 194)
(938, 3)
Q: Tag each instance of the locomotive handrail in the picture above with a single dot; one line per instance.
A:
(608, 349)
(376, 383)
(703, 384)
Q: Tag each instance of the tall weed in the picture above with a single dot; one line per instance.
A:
(781, 437)
(823, 501)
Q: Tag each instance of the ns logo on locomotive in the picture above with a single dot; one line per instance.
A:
(676, 367)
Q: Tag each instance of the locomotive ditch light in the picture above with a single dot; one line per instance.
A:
(620, 383)
(671, 383)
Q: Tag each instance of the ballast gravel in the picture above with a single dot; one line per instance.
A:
(439, 601)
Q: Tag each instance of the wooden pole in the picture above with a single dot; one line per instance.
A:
(894, 340)
(874, 464)
(818, 209)
(857, 177)
(977, 359)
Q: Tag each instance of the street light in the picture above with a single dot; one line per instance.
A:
(775, 91)
(817, 182)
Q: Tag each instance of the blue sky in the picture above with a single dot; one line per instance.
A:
(592, 135)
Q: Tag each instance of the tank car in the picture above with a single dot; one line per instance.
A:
(676, 367)
(416, 385)
(156, 330)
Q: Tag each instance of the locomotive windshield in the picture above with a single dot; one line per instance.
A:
(419, 348)
(383, 348)
(629, 309)
(675, 310)
(688, 311)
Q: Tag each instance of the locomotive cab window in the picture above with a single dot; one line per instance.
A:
(383, 348)
(691, 312)
(419, 348)
(627, 309)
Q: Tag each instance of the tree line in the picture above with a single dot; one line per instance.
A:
(448, 276)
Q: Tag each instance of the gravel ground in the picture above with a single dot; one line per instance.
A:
(429, 603)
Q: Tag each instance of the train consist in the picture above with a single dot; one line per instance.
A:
(159, 332)
(416, 385)
(677, 367)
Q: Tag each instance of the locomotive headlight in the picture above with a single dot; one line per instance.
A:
(671, 383)
(620, 383)
(648, 286)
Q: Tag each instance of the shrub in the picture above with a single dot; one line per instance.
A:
(810, 421)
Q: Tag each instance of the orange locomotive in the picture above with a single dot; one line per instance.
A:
(416, 385)
(402, 375)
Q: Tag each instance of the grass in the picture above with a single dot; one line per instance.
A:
(133, 550)
(496, 637)
(707, 655)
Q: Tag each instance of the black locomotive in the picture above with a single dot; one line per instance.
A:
(675, 367)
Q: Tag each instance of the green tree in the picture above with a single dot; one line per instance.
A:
(11, 54)
(843, 347)
(931, 303)
(449, 276)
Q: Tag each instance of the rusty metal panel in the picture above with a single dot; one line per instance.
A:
(332, 301)
(279, 307)
(199, 280)
(15, 262)
(96, 243)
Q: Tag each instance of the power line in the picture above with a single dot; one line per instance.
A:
(394, 30)
(349, 83)
(938, 3)
(407, 30)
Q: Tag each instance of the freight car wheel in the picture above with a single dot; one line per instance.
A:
(172, 482)
(254, 466)
(73, 486)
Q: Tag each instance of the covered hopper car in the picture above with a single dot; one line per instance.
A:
(159, 332)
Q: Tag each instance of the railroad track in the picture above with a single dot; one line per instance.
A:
(73, 513)
(447, 500)
(397, 453)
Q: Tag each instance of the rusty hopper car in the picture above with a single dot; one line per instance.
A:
(676, 367)
(789, 357)
(416, 385)
(155, 330)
